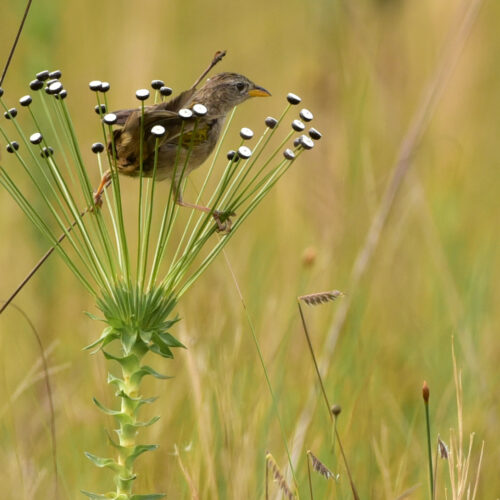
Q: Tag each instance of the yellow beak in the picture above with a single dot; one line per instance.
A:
(258, 92)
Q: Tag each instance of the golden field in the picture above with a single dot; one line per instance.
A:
(395, 86)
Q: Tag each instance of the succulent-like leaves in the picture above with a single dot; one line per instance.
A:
(154, 496)
(128, 340)
(107, 336)
(129, 363)
(170, 340)
(146, 336)
(128, 306)
(117, 382)
(112, 496)
(139, 450)
(151, 421)
(136, 377)
(162, 350)
(105, 410)
(140, 322)
(93, 316)
(104, 462)
(138, 400)
(96, 496)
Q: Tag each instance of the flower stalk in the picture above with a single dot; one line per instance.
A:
(92, 235)
(425, 397)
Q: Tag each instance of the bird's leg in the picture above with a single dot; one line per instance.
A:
(217, 57)
(222, 219)
(105, 182)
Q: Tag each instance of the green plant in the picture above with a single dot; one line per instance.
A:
(136, 291)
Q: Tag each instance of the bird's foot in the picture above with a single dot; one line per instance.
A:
(223, 220)
(105, 182)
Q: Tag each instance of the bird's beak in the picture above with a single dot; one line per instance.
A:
(258, 92)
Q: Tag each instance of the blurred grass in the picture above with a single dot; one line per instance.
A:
(361, 69)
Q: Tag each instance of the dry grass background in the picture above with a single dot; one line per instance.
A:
(361, 67)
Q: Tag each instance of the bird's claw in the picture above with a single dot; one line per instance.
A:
(97, 199)
(105, 182)
(223, 220)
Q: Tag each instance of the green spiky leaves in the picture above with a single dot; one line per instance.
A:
(114, 496)
(139, 322)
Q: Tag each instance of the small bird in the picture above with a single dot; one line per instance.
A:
(186, 144)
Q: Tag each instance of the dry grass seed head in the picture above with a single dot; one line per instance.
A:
(321, 468)
(315, 299)
(278, 477)
(443, 449)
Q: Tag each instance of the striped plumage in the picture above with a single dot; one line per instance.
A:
(220, 94)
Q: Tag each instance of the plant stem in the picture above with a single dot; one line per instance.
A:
(429, 448)
(309, 476)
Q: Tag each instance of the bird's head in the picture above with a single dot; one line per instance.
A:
(224, 91)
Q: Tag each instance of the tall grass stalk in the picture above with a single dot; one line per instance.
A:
(425, 395)
(266, 375)
(333, 411)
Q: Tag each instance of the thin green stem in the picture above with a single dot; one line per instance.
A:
(86, 187)
(257, 153)
(118, 210)
(187, 229)
(316, 367)
(78, 247)
(140, 207)
(309, 476)
(60, 146)
(89, 241)
(253, 185)
(266, 374)
(276, 175)
(149, 217)
(40, 224)
(429, 448)
(92, 259)
(169, 216)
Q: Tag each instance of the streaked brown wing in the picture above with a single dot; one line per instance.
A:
(174, 104)
(180, 101)
(122, 115)
(127, 143)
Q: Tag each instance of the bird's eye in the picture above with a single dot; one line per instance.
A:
(240, 86)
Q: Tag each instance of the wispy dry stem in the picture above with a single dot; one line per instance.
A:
(459, 464)
(32, 377)
(353, 487)
(16, 40)
(192, 488)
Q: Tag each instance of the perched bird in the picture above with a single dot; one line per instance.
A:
(219, 95)
(186, 144)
